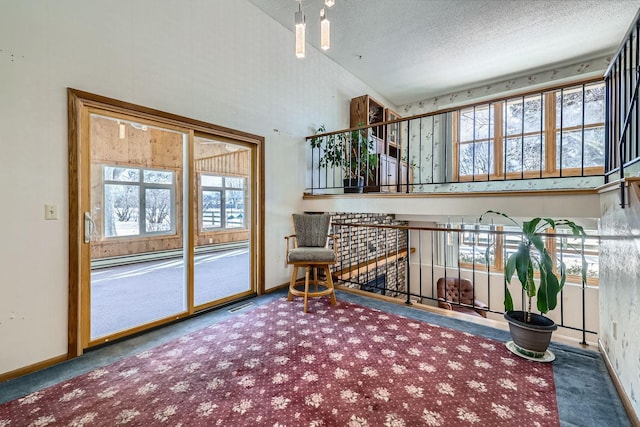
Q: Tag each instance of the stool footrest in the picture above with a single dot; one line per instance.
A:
(301, 293)
(308, 282)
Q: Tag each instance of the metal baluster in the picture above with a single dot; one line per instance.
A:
(583, 117)
(561, 129)
(522, 141)
(542, 141)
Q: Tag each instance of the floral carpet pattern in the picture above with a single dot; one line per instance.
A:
(342, 365)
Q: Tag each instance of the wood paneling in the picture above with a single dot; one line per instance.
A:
(236, 164)
(146, 146)
(157, 148)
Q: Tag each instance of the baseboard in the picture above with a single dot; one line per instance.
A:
(32, 368)
(277, 288)
(626, 402)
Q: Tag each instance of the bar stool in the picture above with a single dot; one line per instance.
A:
(310, 251)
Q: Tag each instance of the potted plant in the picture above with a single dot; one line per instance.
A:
(531, 332)
(350, 151)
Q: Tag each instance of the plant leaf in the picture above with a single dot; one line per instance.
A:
(549, 286)
(508, 301)
(510, 268)
(498, 213)
(530, 286)
(523, 262)
(529, 227)
(551, 222)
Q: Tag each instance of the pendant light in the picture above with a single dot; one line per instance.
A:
(121, 130)
(325, 33)
(300, 30)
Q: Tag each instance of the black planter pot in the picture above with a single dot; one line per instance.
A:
(532, 339)
(353, 185)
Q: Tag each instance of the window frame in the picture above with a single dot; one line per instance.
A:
(498, 258)
(223, 197)
(142, 208)
(548, 131)
(498, 264)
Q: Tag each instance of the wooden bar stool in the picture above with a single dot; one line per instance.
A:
(310, 251)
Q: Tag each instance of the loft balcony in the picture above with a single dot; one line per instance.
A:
(547, 140)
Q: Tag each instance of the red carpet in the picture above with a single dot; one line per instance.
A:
(343, 365)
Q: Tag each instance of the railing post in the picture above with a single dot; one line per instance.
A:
(584, 301)
(408, 267)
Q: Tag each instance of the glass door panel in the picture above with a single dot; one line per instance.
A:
(137, 235)
(221, 197)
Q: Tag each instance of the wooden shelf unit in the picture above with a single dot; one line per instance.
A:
(390, 170)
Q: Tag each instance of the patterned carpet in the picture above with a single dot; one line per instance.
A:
(343, 365)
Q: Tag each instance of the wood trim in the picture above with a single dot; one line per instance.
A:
(117, 106)
(550, 133)
(577, 172)
(32, 368)
(615, 185)
(529, 174)
(190, 219)
(258, 234)
(224, 301)
(74, 347)
(498, 140)
(363, 267)
(510, 193)
(455, 136)
(85, 248)
(138, 329)
(624, 397)
(100, 109)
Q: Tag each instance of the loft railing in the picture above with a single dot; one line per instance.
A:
(623, 116)
(557, 133)
(406, 262)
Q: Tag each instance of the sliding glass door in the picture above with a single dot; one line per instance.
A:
(136, 218)
(164, 218)
(223, 207)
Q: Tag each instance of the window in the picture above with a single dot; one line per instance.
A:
(579, 127)
(478, 246)
(554, 133)
(222, 202)
(476, 240)
(477, 141)
(567, 249)
(138, 202)
(524, 136)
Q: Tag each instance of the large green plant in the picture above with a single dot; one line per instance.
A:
(350, 151)
(531, 257)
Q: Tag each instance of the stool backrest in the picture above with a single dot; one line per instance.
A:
(311, 229)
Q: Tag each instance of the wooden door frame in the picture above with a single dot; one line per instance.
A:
(77, 102)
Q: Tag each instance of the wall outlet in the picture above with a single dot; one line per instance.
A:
(50, 211)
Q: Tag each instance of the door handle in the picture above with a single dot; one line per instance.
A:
(89, 226)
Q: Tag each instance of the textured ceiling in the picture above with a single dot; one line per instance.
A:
(410, 50)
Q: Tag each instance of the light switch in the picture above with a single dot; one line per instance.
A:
(50, 211)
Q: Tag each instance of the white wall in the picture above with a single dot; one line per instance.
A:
(527, 82)
(620, 289)
(220, 61)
